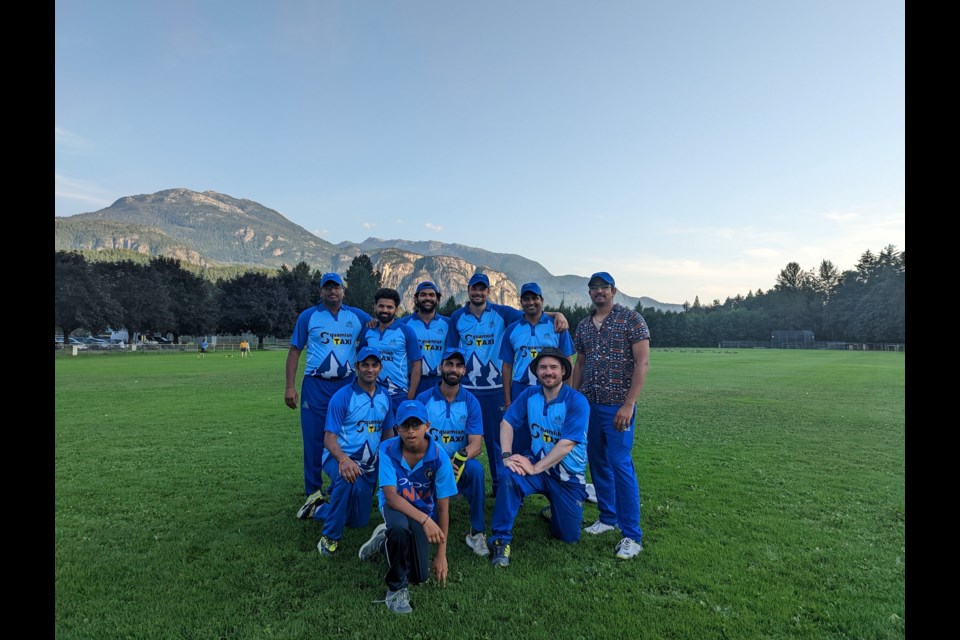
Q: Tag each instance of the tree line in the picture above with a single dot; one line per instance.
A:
(865, 304)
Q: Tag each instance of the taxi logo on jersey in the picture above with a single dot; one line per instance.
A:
(336, 338)
(370, 426)
(478, 341)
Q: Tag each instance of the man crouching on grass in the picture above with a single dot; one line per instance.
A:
(416, 482)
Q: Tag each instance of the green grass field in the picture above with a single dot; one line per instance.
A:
(772, 487)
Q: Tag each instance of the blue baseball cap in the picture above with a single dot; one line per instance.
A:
(452, 352)
(531, 287)
(603, 275)
(411, 409)
(479, 278)
(328, 277)
(366, 352)
(426, 284)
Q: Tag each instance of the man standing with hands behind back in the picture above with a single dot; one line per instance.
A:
(613, 355)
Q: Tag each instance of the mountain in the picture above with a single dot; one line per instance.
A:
(214, 229)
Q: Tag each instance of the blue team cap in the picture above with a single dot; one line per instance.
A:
(331, 277)
(453, 352)
(426, 284)
(603, 275)
(366, 352)
(411, 409)
(531, 287)
(479, 278)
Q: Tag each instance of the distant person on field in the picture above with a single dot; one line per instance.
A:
(431, 330)
(329, 332)
(244, 348)
(613, 355)
(555, 465)
(456, 424)
(398, 345)
(478, 329)
(416, 482)
(522, 341)
(203, 348)
(359, 417)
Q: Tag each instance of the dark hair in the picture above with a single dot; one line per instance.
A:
(389, 294)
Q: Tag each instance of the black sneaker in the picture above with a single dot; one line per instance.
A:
(499, 554)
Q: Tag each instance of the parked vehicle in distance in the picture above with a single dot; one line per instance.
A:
(161, 340)
(76, 342)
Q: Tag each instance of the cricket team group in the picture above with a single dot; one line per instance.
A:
(402, 407)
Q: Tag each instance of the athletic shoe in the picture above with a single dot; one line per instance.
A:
(599, 527)
(500, 554)
(478, 542)
(399, 601)
(313, 500)
(591, 493)
(326, 546)
(627, 548)
(372, 547)
(546, 513)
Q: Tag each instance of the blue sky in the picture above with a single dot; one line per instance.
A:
(690, 148)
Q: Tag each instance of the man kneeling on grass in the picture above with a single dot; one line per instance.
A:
(416, 482)
(556, 417)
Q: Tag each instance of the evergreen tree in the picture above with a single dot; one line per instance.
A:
(449, 306)
(361, 283)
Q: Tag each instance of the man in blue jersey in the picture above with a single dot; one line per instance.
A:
(555, 465)
(359, 418)
(329, 333)
(431, 330)
(397, 344)
(478, 329)
(522, 341)
(456, 424)
(613, 355)
(416, 482)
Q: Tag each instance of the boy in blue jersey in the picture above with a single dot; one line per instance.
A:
(416, 482)
(329, 333)
(397, 344)
(522, 341)
(456, 424)
(556, 417)
(358, 419)
(431, 330)
(478, 329)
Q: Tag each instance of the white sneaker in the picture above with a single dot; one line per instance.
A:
(599, 527)
(478, 542)
(627, 548)
(372, 547)
(591, 493)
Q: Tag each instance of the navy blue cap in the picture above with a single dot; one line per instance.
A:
(479, 278)
(451, 352)
(411, 409)
(426, 284)
(603, 275)
(531, 287)
(327, 277)
(366, 352)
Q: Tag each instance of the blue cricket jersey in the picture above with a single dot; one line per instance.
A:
(522, 342)
(452, 422)
(359, 421)
(429, 480)
(564, 418)
(330, 340)
(480, 338)
(398, 347)
(432, 337)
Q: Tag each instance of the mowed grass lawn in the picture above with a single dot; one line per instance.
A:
(772, 487)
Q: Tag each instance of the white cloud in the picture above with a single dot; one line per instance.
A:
(368, 225)
(433, 227)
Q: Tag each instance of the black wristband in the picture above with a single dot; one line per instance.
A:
(506, 454)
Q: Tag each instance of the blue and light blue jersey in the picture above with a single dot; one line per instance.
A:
(359, 421)
(452, 422)
(432, 337)
(429, 480)
(564, 418)
(522, 342)
(330, 340)
(398, 347)
(481, 338)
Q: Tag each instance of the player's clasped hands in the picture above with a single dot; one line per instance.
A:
(520, 465)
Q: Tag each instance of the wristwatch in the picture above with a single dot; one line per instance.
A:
(506, 454)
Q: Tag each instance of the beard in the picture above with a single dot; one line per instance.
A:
(452, 379)
(386, 318)
(427, 305)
